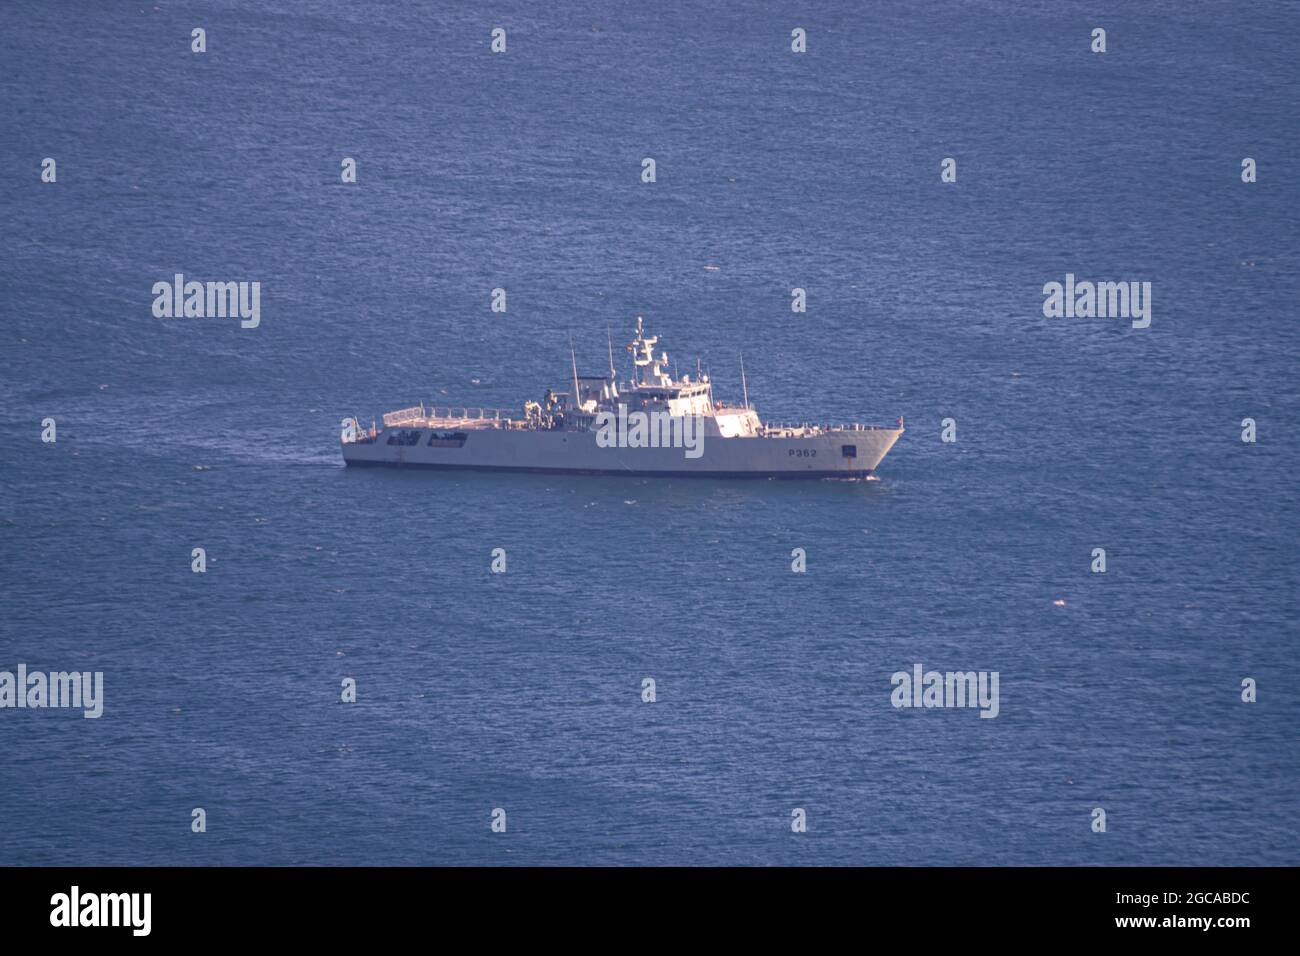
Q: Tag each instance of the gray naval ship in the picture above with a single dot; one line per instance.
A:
(654, 425)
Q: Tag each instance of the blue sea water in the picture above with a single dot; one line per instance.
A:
(523, 690)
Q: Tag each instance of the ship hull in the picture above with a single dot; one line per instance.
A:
(624, 473)
(839, 454)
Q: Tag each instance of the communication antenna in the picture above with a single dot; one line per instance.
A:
(574, 358)
(632, 375)
(743, 384)
(609, 340)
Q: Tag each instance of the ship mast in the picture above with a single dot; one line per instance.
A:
(574, 359)
(643, 355)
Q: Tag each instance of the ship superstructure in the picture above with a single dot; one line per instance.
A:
(653, 424)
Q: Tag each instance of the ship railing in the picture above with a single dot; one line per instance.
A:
(403, 416)
(432, 415)
(822, 428)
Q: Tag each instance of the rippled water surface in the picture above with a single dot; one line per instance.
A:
(523, 690)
